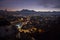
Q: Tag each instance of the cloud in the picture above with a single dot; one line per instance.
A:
(34, 4)
(57, 6)
(49, 3)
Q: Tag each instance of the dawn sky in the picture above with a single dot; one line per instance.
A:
(37, 5)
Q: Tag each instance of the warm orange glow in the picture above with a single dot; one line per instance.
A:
(40, 30)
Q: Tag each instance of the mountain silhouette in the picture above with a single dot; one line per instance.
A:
(26, 12)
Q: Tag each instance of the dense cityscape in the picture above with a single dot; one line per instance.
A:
(29, 25)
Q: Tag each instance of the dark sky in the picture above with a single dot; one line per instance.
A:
(37, 5)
